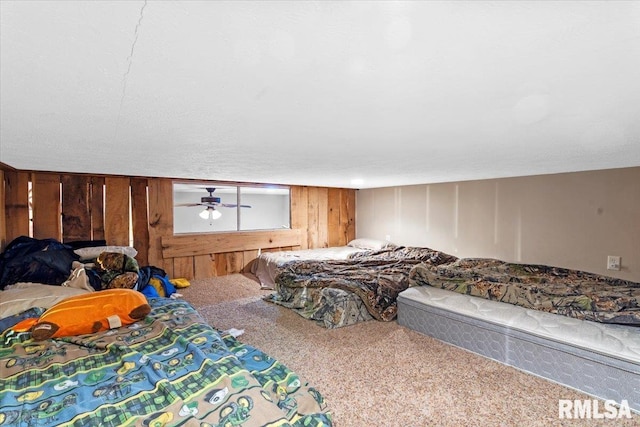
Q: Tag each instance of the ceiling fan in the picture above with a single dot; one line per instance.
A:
(210, 203)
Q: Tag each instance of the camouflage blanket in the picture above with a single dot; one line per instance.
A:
(572, 293)
(329, 307)
(371, 280)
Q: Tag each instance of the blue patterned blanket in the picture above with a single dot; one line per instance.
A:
(171, 369)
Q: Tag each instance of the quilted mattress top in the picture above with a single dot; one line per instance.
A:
(618, 341)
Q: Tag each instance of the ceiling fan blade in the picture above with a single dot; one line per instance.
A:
(231, 205)
(188, 204)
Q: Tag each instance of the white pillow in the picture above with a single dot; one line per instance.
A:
(94, 251)
(372, 244)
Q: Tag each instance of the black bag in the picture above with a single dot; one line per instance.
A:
(26, 259)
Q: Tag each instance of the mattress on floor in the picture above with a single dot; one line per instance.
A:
(265, 266)
(602, 360)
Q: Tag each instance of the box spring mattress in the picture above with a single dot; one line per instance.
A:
(602, 360)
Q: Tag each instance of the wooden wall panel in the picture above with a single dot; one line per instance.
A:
(203, 266)
(46, 206)
(317, 215)
(140, 219)
(202, 244)
(96, 207)
(229, 263)
(116, 211)
(248, 257)
(220, 265)
(76, 216)
(334, 234)
(347, 215)
(16, 203)
(299, 213)
(313, 218)
(235, 262)
(183, 267)
(341, 216)
(160, 218)
(323, 218)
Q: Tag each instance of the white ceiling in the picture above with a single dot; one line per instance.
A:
(353, 94)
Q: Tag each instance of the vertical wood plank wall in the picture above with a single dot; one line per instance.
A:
(16, 204)
(46, 205)
(139, 211)
(75, 207)
(116, 211)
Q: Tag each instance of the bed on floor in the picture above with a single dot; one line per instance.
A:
(343, 292)
(161, 366)
(265, 267)
(578, 329)
(170, 369)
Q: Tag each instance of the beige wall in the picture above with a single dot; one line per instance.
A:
(572, 220)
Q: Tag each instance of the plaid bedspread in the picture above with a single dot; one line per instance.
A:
(172, 369)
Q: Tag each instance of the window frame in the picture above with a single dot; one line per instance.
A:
(238, 196)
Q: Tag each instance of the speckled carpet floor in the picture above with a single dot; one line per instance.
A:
(383, 374)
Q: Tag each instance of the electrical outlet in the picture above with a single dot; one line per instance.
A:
(613, 262)
(387, 237)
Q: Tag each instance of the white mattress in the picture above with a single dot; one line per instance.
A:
(615, 341)
(264, 267)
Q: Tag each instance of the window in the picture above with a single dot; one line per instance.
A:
(211, 207)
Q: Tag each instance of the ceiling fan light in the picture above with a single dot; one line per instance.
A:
(210, 213)
(215, 214)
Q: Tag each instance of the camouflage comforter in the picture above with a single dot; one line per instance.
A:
(556, 290)
(341, 292)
